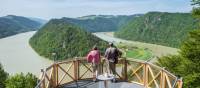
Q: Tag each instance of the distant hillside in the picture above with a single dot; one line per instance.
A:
(66, 39)
(41, 21)
(10, 25)
(168, 29)
(101, 23)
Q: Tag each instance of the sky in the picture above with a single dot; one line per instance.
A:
(47, 9)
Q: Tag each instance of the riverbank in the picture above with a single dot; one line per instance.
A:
(158, 50)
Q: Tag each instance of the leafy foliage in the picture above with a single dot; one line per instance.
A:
(186, 64)
(65, 39)
(21, 81)
(101, 23)
(163, 28)
(10, 25)
(3, 77)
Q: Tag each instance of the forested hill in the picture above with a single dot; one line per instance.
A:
(11, 24)
(101, 23)
(163, 28)
(65, 39)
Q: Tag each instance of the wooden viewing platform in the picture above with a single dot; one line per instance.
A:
(130, 73)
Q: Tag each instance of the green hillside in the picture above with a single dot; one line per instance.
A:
(10, 25)
(101, 23)
(66, 39)
(163, 28)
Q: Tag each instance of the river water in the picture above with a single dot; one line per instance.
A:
(17, 56)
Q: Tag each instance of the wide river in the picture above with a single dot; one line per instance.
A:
(16, 55)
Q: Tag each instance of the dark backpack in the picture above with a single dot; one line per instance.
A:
(118, 54)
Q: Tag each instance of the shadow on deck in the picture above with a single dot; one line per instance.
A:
(100, 84)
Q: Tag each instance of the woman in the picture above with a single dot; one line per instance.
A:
(94, 58)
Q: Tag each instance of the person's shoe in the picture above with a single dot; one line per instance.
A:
(94, 80)
(114, 80)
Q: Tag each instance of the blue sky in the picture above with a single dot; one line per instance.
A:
(48, 9)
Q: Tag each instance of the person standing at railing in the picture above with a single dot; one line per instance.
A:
(94, 58)
(111, 55)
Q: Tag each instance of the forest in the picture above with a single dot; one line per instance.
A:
(163, 28)
(11, 25)
(101, 23)
(64, 39)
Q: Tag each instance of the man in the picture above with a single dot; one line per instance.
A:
(111, 55)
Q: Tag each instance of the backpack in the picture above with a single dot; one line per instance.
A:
(89, 58)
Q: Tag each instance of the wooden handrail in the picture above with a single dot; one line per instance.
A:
(56, 75)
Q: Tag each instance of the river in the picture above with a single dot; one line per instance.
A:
(16, 55)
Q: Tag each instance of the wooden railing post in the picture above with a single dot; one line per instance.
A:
(125, 70)
(145, 74)
(163, 84)
(180, 83)
(78, 69)
(161, 78)
(55, 75)
(75, 62)
(56, 70)
(43, 81)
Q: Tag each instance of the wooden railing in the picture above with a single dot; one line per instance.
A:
(143, 73)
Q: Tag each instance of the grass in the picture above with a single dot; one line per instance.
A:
(134, 52)
(139, 53)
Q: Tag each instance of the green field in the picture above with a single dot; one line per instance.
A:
(141, 54)
(135, 52)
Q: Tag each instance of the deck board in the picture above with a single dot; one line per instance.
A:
(100, 84)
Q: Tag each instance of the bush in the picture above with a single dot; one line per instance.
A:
(21, 81)
(3, 77)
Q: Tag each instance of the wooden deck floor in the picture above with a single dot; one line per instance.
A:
(100, 84)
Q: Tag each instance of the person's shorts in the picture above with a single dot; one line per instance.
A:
(95, 67)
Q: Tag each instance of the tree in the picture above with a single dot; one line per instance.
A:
(187, 63)
(3, 76)
(21, 81)
(196, 8)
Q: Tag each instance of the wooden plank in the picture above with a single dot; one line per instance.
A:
(85, 72)
(152, 74)
(164, 84)
(43, 83)
(136, 69)
(66, 72)
(56, 74)
(119, 75)
(138, 77)
(59, 82)
(157, 75)
(161, 78)
(75, 69)
(87, 67)
(125, 70)
(168, 82)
